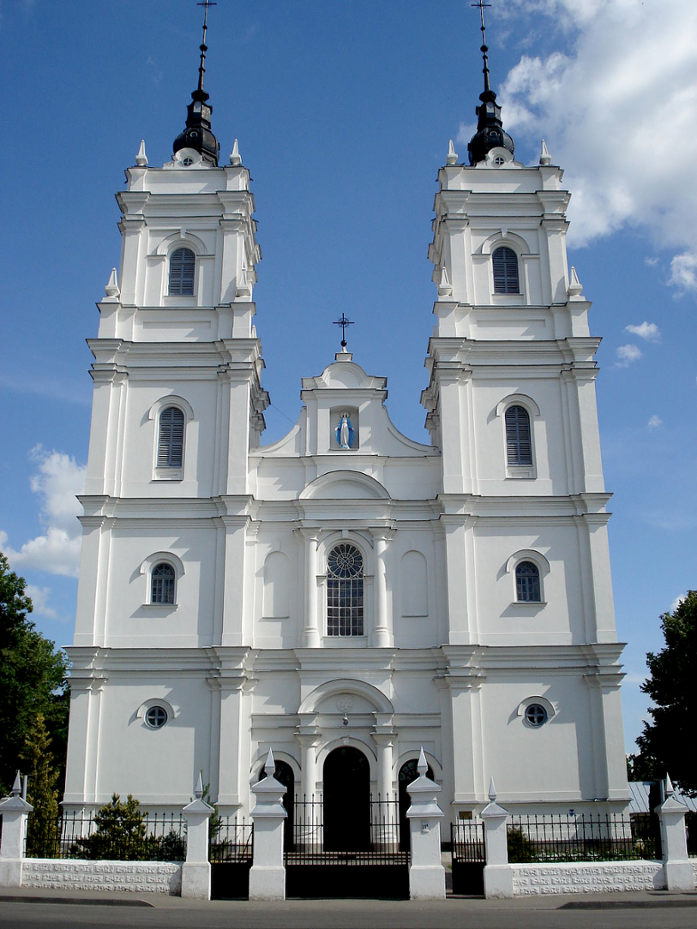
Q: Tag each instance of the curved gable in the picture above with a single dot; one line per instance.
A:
(351, 485)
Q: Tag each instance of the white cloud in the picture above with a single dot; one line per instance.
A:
(626, 354)
(655, 422)
(40, 600)
(651, 261)
(676, 603)
(648, 331)
(57, 480)
(683, 272)
(617, 106)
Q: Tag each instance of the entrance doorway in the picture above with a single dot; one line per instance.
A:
(346, 797)
(284, 774)
(407, 774)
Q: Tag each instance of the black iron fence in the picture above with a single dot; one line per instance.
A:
(232, 841)
(609, 837)
(467, 837)
(374, 839)
(336, 854)
(231, 852)
(150, 837)
(469, 856)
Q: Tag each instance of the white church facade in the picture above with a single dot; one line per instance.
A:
(345, 595)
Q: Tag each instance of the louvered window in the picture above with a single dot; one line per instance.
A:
(171, 439)
(345, 591)
(182, 265)
(505, 262)
(518, 443)
(162, 579)
(527, 582)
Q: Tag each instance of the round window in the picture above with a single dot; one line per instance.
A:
(536, 715)
(155, 717)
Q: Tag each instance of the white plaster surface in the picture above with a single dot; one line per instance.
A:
(586, 878)
(139, 877)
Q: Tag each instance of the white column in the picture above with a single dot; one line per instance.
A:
(311, 633)
(308, 774)
(383, 628)
(384, 742)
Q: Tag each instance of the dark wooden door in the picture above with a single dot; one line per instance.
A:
(346, 795)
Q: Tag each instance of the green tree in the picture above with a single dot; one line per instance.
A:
(667, 744)
(32, 678)
(42, 793)
(121, 835)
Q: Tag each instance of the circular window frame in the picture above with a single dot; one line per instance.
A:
(535, 700)
(536, 715)
(160, 723)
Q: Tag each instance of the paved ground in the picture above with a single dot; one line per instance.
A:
(33, 909)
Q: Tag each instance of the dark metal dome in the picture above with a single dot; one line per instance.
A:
(490, 133)
(198, 134)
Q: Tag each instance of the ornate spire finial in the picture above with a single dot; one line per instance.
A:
(343, 322)
(489, 132)
(198, 135)
(198, 789)
(422, 764)
(484, 47)
(203, 46)
(270, 765)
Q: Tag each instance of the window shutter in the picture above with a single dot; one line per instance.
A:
(518, 440)
(170, 450)
(182, 265)
(505, 266)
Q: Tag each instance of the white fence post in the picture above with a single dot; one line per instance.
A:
(677, 867)
(196, 870)
(498, 874)
(15, 813)
(267, 876)
(426, 871)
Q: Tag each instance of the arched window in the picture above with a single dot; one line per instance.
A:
(345, 590)
(162, 583)
(518, 443)
(170, 447)
(527, 582)
(182, 265)
(505, 264)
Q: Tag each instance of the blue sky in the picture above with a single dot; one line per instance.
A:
(343, 111)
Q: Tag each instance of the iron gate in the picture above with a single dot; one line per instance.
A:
(230, 853)
(469, 857)
(368, 862)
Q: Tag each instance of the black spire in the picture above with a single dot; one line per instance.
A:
(198, 134)
(489, 132)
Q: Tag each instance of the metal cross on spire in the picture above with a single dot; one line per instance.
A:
(343, 322)
(204, 48)
(484, 48)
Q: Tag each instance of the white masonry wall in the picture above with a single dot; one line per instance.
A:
(137, 877)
